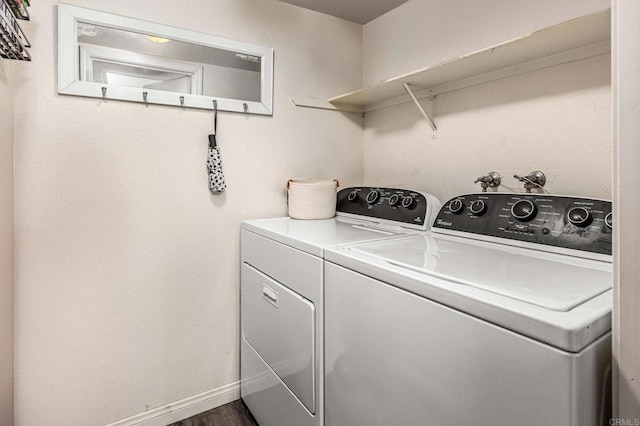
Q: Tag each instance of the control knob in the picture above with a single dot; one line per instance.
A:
(478, 207)
(373, 197)
(579, 216)
(407, 202)
(353, 196)
(523, 210)
(456, 206)
(394, 200)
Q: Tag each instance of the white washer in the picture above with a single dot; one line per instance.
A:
(282, 292)
(501, 315)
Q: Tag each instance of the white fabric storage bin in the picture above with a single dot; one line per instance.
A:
(312, 199)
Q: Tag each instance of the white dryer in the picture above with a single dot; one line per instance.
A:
(500, 316)
(282, 292)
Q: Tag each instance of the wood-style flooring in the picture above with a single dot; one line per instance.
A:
(235, 413)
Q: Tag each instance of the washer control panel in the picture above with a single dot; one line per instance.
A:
(568, 222)
(398, 205)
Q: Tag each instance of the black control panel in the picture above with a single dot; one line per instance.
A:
(398, 205)
(568, 222)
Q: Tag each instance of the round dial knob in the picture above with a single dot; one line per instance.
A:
(478, 207)
(373, 196)
(608, 220)
(407, 202)
(353, 196)
(394, 200)
(523, 210)
(456, 206)
(579, 216)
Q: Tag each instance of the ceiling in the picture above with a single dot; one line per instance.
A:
(360, 11)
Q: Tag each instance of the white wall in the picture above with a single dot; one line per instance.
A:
(6, 243)
(425, 32)
(626, 128)
(127, 268)
(557, 120)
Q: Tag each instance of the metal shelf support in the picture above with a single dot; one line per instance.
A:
(419, 105)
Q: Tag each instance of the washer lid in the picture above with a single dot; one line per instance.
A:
(312, 236)
(550, 281)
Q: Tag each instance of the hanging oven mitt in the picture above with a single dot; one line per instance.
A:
(217, 183)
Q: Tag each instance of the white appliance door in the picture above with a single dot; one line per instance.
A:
(279, 324)
(394, 358)
(547, 280)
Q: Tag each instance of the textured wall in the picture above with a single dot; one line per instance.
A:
(420, 33)
(557, 120)
(127, 268)
(6, 243)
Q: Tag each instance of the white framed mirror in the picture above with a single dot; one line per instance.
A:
(103, 55)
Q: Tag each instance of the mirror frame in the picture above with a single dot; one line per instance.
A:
(69, 82)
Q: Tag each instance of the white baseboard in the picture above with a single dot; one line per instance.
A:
(184, 408)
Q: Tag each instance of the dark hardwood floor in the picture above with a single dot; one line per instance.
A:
(235, 413)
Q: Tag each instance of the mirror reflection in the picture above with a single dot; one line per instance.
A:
(108, 56)
(132, 59)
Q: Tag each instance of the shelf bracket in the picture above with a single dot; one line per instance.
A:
(419, 105)
(319, 104)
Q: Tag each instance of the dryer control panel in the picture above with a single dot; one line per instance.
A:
(405, 207)
(567, 222)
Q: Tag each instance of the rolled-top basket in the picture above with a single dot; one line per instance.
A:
(312, 199)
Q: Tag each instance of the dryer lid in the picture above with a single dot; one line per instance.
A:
(551, 281)
(312, 236)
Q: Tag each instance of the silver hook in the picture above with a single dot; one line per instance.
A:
(144, 96)
(104, 92)
(181, 100)
(215, 105)
(245, 107)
